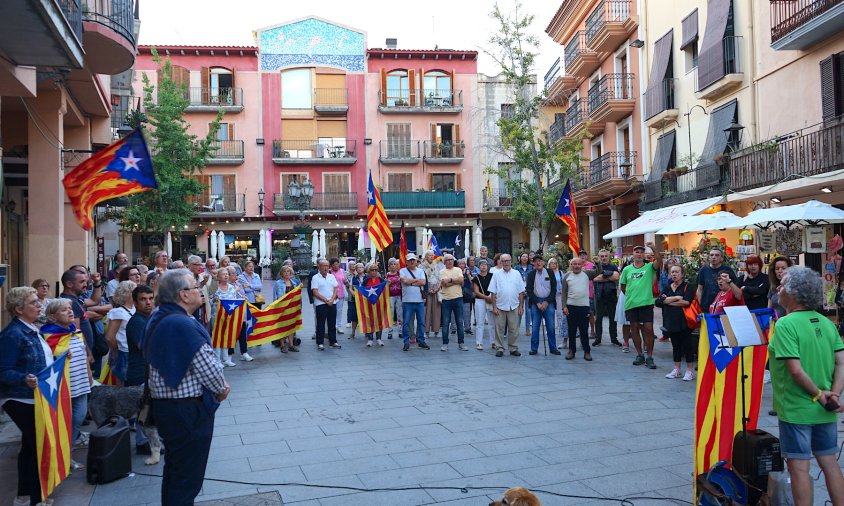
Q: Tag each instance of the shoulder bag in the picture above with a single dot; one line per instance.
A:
(692, 312)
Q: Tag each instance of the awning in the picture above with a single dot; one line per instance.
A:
(662, 155)
(689, 25)
(661, 57)
(652, 221)
(711, 60)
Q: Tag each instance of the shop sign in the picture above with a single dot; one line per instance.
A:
(815, 240)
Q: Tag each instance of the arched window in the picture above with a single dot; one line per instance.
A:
(437, 87)
(398, 88)
(221, 82)
(498, 240)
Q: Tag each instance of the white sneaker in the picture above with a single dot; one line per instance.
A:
(674, 374)
(379, 342)
(245, 357)
(369, 344)
(767, 376)
(689, 376)
(444, 347)
(340, 331)
(479, 347)
(229, 363)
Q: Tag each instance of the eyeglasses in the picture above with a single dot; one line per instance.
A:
(191, 288)
(199, 264)
(43, 286)
(36, 302)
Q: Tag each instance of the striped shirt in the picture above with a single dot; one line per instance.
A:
(79, 383)
(205, 370)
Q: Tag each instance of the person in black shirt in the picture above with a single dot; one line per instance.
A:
(606, 298)
(755, 286)
(707, 278)
(676, 296)
(143, 297)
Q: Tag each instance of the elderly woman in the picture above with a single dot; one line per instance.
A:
(144, 272)
(729, 294)
(62, 335)
(395, 294)
(775, 274)
(251, 282)
(118, 317)
(23, 353)
(433, 308)
(161, 261)
(672, 299)
(228, 289)
(357, 280)
(285, 283)
(372, 278)
(42, 288)
(483, 306)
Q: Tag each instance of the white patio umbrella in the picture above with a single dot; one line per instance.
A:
(262, 247)
(221, 244)
(812, 212)
(466, 245)
(361, 238)
(478, 240)
(168, 245)
(702, 222)
(323, 250)
(373, 249)
(212, 245)
(315, 247)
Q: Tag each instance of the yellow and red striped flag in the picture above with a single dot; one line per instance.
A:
(227, 323)
(372, 304)
(377, 223)
(53, 424)
(718, 405)
(278, 320)
(106, 375)
(59, 341)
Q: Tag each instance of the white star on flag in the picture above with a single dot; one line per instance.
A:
(457, 241)
(233, 306)
(52, 381)
(369, 196)
(730, 351)
(130, 161)
(248, 324)
(371, 292)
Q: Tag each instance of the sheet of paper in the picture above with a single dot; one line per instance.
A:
(744, 326)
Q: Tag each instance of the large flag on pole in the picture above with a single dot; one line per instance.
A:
(718, 405)
(402, 247)
(373, 307)
(568, 214)
(377, 223)
(435, 248)
(122, 168)
(53, 424)
(227, 323)
(276, 321)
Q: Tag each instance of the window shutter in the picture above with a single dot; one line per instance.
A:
(205, 92)
(229, 187)
(383, 86)
(431, 181)
(422, 84)
(456, 134)
(231, 131)
(828, 87)
(411, 86)
(451, 87)
(457, 182)
(233, 85)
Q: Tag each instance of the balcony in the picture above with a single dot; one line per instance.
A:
(607, 176)
(581, 61)
(498, 199)
(214, 99)
(121, 106)
(800, 24)
(423, 201)
(660, 109)
(405, 101)
(578, 120)
(345, 203)
(226, 153)
(809, 152)
(109, 35)
(444, 152)
(557, 130)
(399, 152)
(314, 152)
(611, 99)
(331, 101)
(42, 34)
(609, 25)
(702, 182)
(220, 205)
(719, 70)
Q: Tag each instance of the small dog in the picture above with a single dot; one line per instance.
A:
(517, 497)
(105, 401)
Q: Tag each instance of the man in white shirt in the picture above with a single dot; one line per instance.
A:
(413, 281)
(324, 287)
(508, 293)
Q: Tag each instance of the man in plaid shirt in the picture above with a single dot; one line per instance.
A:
(186, 384)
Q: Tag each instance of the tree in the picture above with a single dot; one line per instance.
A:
(514, 50)
(176, 157)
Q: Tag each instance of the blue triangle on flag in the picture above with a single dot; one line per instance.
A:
(372, 293)
(720, 352)
(250, 321)
(50, 380)
(231, 306)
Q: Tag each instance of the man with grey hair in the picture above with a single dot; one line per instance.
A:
(807, 376)
(508, 293)
(451, 281)
(186, 383)
(324, 288)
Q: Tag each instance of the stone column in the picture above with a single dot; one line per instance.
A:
(594, 235)
(615, 220)
(79, 248)
(534, 239)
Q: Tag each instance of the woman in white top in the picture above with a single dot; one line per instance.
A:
(228, 290)
(122, 309)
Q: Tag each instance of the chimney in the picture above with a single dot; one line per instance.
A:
(391, 43)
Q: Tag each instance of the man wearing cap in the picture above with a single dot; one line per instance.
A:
(413, 283)
(637, 280)
(508, 292)
(541, 288)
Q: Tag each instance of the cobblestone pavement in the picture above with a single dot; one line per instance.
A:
(380, 418)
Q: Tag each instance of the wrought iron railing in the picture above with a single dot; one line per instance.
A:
(612, 165)
(807, 152)
(718, 61)
(73, 14)
(228, 149)
(215, 96)
(440, 150)
(558, 129)
(421, 98)
(575, 49)
(424, 200)
(331, 97)
(115, 14)
(331, 201)
(224, 203)
(610, 87)
(789, 15)
(575, 114)
(607, 11)
(398, 149)
(659, 97)
(321, 148)
(121, 106)
(704, 181)
(497, 198)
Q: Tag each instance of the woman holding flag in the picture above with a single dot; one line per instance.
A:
(285, 283)
(370, 279)
(352, 314)
(225, 291)
(433, 309)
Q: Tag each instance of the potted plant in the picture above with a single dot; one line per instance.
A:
(721, 159)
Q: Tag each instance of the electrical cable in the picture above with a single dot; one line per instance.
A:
(626, 501)
(38, 127)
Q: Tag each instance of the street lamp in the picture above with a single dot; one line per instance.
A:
(733, 133)
(689, 126)
(261, 195)
(300, 196)
(625, 167)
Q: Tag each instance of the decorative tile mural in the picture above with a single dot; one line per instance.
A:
(312, 42)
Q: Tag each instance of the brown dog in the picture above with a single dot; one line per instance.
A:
(517, 497)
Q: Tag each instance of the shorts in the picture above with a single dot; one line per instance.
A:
(800, 441)
(641, 314)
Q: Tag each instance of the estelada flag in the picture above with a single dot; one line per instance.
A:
(227, 323)
(122, 168)
(567, 212)
(718, 404)
(435, 248)
(402, 247)
(53, 424)
(276, 321)
(372, 304)
(106, 375)
(59, 338)
(377, 223)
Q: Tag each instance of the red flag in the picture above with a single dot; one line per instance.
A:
(402, 247)
(567, 212)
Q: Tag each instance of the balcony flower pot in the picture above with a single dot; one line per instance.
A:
(721, 159)
(668, 175)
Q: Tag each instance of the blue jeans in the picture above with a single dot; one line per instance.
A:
(536, 317)
(78, 410)
(800, 441)
(409, 310)
(454, 306)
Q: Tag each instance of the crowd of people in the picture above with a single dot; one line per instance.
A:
(116, 322)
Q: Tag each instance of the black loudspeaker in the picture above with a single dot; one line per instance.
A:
(109, 452)
(755, 455)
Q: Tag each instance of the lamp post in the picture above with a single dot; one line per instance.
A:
(261, 195)
(689, 127)
(300, 196)
(734, 133)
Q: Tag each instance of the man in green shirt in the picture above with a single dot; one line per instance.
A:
(807, 376)
(637, 281)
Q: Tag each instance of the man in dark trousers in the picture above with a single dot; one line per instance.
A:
(606, 298)
(186, 384)
(313, 272)
(541, 288)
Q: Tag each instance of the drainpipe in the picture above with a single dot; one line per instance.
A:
(644, 132)
(754, 96)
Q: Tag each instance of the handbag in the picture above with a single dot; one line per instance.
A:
(692, 312)
(259, 299)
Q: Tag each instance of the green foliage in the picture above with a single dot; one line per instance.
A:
(699, 256)
(176, 156)
(536, 161)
